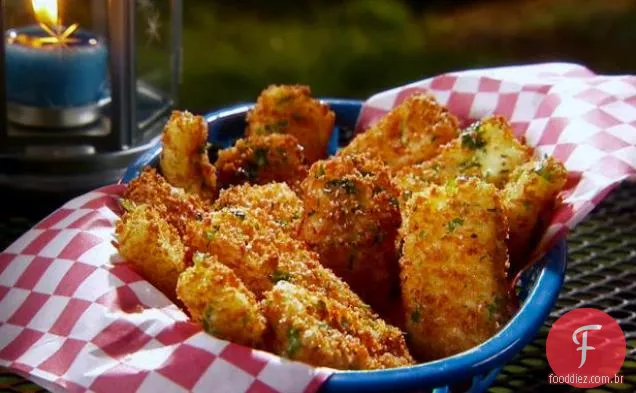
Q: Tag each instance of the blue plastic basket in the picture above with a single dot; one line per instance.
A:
(473, 370)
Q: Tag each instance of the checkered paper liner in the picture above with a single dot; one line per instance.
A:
(73, 318)
(587, 121)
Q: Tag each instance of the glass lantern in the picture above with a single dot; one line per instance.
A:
(87, 86)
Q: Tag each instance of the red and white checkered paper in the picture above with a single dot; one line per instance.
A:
(74, 318)
(587, 121)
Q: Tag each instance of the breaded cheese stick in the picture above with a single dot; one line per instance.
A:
(152, 247)
(184, 159)
(488, 150)
(261, 254)
(217, 299)
(276, 199)
(290, 109)
(262, 159)
(351, 219)
(410, 133)
(178, 207)
(315, 329)
(453, 267)
(530, 193)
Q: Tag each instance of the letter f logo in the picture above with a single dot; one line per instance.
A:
(584, 347)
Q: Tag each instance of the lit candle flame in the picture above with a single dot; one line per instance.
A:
(46, 11)
(47, 14)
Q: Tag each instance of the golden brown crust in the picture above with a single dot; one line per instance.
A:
(453, 267)
(178, 207)
(261, 160)
(290, 109)
(487, 149)
(261, 254)
(410, 133)
(318, 330)
(530, 194)
(276, 199)
(217, 299)
(184, 159)
(351, 219)
(152, 247)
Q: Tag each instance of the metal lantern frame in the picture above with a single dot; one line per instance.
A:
(50, 159)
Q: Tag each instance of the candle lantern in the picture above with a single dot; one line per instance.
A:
(86, 86)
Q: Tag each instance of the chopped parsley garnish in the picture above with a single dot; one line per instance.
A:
(276, 128)
(435, 167)
(284, 99)
(204, 147)
(394, 202)
(527, 204)
(198, 257)
(365, 173)
(455, 223)
(238, 213)
(543, 171)
(127, 205)
(416, 315)
(293, 341)
(279, 275)
(348, 185)
(472, 163)
(472, 138)
(320, 171)
(205, 320)
(451, 185)
(211, 233)
(260, 156)
(495, 306)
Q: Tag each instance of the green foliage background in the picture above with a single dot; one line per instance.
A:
(233, 49)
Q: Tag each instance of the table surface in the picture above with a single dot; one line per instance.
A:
(601, 274)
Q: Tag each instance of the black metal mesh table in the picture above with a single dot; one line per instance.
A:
(601, 274)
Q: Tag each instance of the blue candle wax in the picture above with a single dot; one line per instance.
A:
(54, 75)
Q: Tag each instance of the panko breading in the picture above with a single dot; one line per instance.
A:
(351, 219)
(219, 301)
(184, 158)
(488, 150)
(530, 193)
(318, 330)
(261, 160)
(277, 199)
(453, 267)
(152, 247)
(261, 254)
(180, 207)
(290, 109)
(410, 133)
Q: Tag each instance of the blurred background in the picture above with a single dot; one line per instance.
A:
(233, 49)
